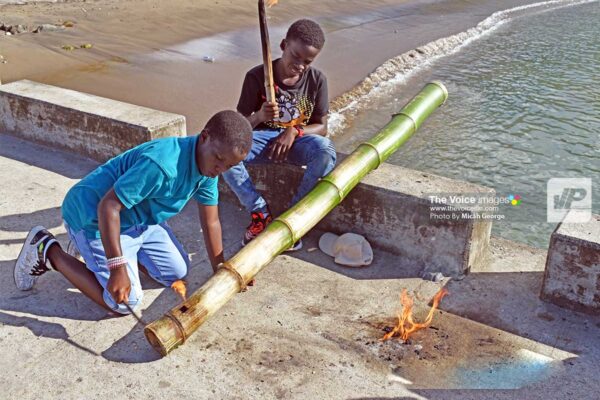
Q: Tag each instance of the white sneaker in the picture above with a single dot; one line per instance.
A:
(32, 260)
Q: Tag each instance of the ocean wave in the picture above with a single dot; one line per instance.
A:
(399, 69)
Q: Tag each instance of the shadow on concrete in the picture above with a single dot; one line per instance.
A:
(121, 350)
(133, 348)
(43, 329)
(186, 227)
(67, 164)
(49, 218)
(52, 296)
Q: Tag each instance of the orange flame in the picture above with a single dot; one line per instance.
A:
(179, 287)
(271, 3)
(406, 325)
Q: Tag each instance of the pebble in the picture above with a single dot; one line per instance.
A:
(48, 27)
(432, 276)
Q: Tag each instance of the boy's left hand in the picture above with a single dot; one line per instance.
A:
(281, 146)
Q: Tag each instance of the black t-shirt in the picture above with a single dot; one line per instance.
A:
(304, 103)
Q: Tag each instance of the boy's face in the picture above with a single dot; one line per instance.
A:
(216, 157)
(297, 56)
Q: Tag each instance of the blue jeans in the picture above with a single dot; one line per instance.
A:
(153, 246)
(314, 151)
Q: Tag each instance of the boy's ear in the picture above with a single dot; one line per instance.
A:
(204, 137)
(283, 44)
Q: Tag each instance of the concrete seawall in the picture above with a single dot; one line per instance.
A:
(572, 275)
(391, 209)
(89, 125)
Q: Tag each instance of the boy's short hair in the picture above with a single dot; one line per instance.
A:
(308, 32)
(232, 129)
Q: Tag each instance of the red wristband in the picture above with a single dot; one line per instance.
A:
(299, 130)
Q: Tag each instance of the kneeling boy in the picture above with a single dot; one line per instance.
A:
(116, 216)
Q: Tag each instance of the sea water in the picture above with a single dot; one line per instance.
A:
(524, 107)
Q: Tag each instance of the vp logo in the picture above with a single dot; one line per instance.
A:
(569, 195)
(569, 200)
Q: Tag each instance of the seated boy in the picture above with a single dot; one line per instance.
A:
(116, 216)
(292, 129)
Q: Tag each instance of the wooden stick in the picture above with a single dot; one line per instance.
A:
(132, 311)
(266, 51)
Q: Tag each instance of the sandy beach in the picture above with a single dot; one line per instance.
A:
(150, 53)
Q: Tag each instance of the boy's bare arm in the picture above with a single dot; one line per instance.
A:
(317, 128)
(267, 112)
(281, 146)
(109, 224)
(211, 229)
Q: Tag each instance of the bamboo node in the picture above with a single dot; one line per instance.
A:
(235, 273)
(339, 191)
(287, 225)
(409, 117)
(371, 145)
(443, 87)
(178, 324)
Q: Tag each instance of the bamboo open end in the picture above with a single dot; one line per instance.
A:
(165, 335)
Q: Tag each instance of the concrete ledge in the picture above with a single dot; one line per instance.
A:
(572, 276)
(93, 126)
(391, 209)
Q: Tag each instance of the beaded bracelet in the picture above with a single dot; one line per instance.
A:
(116, 266)
(116, 262)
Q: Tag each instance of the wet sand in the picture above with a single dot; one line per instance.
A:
(150, 53)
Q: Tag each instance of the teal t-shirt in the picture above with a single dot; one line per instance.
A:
(154, 181)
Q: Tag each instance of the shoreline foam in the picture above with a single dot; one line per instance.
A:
(401, 68)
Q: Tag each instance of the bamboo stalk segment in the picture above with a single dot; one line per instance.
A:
(266, 51)
(170, 331)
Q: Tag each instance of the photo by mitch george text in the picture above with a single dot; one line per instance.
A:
(478, 206)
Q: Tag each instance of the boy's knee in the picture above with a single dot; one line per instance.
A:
(178, 271)
(324, 156)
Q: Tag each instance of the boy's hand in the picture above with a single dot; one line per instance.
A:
(118, 285)
(281, 146)
(268, 111)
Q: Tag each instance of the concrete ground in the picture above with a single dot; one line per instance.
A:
(309, 329)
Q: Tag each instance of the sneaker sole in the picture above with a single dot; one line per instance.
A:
(19, 264)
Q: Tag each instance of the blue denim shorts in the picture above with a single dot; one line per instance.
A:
(153, 246)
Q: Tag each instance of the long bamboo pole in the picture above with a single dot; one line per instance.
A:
(266, 52)
(170, 331)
